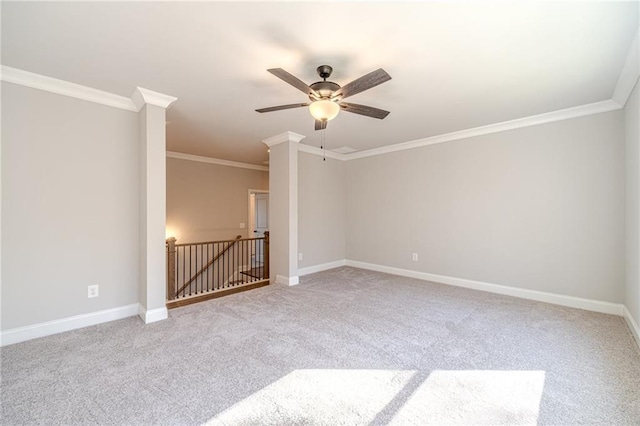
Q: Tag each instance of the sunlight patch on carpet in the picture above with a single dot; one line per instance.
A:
(392, 396)
(311, 396)
(475, 397)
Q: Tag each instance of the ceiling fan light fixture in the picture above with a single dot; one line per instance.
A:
(324, 109)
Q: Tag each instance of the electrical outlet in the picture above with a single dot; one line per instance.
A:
(300, 256)
(92, 291)
(415, 257)
(242, 225)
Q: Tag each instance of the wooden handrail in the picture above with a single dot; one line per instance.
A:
(200, 243)
(230, 243)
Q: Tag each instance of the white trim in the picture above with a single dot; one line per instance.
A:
(322, 267)
(563, 114)
(625, 85)
(629, 74)
(21, 334)
(142, 96)
(283, 137)
(65, 88)
(540, 296)
(281, 279)
(152, 315)
(251, 213)
(319, 152)
(633, 325)
(219, 162)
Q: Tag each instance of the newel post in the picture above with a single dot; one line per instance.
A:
(171, 268)
(265, 273)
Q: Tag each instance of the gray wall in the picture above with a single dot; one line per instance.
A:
(539, 208)
(632, 232)
(207, 202)
(321, 210)
(69, 206)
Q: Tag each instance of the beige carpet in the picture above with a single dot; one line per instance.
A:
(346, 346)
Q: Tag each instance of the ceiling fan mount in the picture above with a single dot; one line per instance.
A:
(324, 71)
(326, 96)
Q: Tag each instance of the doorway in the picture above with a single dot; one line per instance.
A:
(258, 222)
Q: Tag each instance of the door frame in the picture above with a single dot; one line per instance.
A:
(251, 216)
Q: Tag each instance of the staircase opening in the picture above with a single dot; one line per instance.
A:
(206, 270)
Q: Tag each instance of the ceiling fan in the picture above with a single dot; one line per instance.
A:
(326, 96)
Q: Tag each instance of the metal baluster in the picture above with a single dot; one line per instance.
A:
(258, 251)
(184, 270)
(177, 271)
(234, 264)
(245, 244)
(220, 264)
(195, 282)
(253, 264)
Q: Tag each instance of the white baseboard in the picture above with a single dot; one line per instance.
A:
(281, 279)
(322, 267)
(21, 334)
(152, 315)
(540, 296)
(633, 325)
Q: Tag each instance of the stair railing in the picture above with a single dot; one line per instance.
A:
(205, 267)
(209, 269)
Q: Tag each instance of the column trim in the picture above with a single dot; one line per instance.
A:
(283, 137)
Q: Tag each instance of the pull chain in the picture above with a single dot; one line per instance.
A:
(323, 144)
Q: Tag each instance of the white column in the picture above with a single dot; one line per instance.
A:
(283, 207)
(152, 290)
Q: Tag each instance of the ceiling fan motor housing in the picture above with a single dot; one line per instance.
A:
(324, 88)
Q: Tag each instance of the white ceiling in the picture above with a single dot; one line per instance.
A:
(455, 65)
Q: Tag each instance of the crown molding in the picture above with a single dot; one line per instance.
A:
(549, 117)
(142, 96)
(283, 137)
(319, 152)
(217, 161)
(629, 74)
(65, 88)
(139, 98)
(626, 82)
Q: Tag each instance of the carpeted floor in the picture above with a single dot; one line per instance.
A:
(346, 346)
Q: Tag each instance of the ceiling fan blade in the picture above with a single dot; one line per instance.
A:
(294, 81)
(281, 107)
(364, 110)
(363, 83)
(321, 124)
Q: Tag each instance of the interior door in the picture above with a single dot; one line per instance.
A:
(261, 212)
(260, 220)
